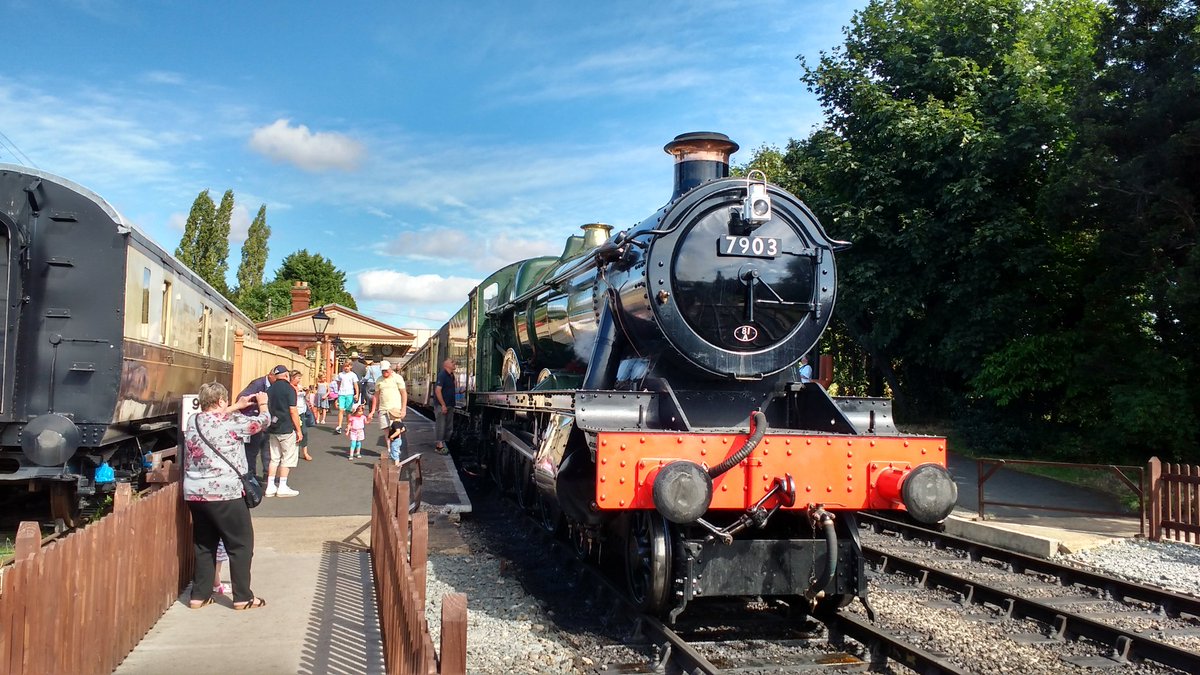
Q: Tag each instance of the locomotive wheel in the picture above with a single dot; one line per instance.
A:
(547, 512)
(520, 482)
(496, 465)
(64, 504)
(648, 561)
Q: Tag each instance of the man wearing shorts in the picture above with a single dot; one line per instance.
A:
(346, 384)
(284, 434)
(391, 398)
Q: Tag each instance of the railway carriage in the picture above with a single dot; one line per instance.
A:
(637, 393)
(103, 332)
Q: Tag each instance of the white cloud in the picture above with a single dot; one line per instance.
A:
(163, 77)
(239, 223)
(389, 285)
(483, 254)
(319, 151)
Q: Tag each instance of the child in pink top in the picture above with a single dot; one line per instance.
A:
(356, 429)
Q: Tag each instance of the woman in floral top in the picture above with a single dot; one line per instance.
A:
(213, 491)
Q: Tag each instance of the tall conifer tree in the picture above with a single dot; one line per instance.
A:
(254, 253)
(214, 245)
(203, 211)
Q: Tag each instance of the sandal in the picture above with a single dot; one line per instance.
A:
(254, 603)
(202, 605)
(222, 589)
(307, 458)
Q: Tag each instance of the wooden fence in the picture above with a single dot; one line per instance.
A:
(81, 603)
(253, 358)
(1174, 504)
(399, 550)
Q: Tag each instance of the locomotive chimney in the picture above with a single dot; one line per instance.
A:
(700, 156)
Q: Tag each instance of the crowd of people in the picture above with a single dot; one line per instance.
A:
(268, 423)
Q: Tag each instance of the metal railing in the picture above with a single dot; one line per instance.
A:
(1122, 473)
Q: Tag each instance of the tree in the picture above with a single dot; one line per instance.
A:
(273, 299)
(203, 211)
(204, 247)
(944, 121)
(254, 253)
(326, 282)
(1134, 179)
(214, 244)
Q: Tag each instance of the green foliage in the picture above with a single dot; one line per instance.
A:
(254, 253)
(215, 244)
(1135, 174)
(204, 247)
(201, 216)
(272, 300)
(944, 119)
(1019, 180)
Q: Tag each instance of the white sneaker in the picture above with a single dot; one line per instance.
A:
(272, 489)
(286, 492)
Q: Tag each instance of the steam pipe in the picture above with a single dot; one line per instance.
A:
(758, 425)
(831, 557)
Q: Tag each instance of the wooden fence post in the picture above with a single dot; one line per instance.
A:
(239, 353)
(123, 497)
(1154, 471)
(28, 542)
(419, 555)
(453, 649)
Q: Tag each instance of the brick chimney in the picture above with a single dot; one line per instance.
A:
(301, 296)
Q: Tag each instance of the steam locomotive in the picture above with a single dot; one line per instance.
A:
(102, 334)
(639, 393)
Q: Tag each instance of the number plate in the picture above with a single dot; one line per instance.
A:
(748, 247)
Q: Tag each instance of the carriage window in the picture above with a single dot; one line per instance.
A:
(145, 300)
(205, 343)
(167, 319)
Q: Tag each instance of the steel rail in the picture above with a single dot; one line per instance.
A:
(883, 644)
(1065, 625)
(1173, 604)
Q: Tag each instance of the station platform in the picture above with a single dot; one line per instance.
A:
(312, 565)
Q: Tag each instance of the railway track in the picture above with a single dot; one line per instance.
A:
(720, 636)
(1126, 621)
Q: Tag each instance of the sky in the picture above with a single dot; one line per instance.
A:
(419, 146)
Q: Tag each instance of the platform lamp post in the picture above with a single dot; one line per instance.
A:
(320, 325)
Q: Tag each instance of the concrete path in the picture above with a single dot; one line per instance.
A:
(312, 564)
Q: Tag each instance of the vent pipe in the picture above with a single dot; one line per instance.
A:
(700, 156)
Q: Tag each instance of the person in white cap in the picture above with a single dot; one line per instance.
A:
(391, 398)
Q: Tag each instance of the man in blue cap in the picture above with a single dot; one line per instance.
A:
(256, 445)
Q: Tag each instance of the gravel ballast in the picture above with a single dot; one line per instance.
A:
(514, 627)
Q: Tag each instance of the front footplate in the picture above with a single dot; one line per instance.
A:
(767, 567)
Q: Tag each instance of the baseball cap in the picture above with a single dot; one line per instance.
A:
(280, 370)
(385, 364)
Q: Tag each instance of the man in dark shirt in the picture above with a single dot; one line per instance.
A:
(443, 409)
(284, 435)
(360, 369)
(256, 445)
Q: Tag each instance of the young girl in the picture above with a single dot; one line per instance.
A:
(322, 407)
(356, 429)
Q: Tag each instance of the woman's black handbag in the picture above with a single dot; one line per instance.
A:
(252, 492)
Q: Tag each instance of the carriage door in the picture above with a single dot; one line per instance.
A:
(8, 327)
